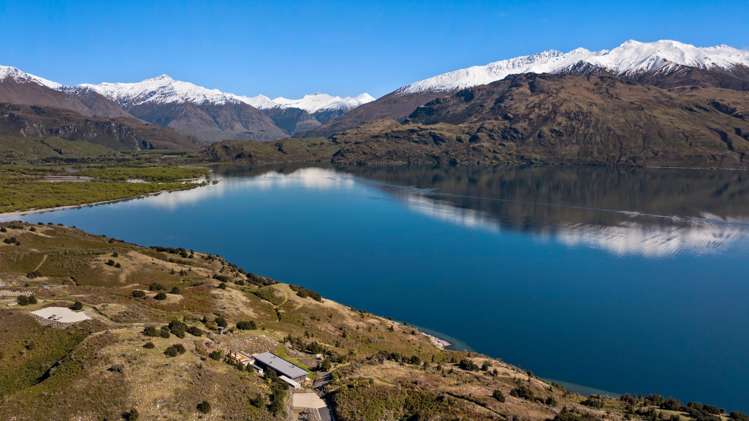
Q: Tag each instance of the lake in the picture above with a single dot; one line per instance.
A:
(629, 281)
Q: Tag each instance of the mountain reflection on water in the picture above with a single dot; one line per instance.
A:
(648, 212)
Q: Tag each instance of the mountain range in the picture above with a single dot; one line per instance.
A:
(662, 102)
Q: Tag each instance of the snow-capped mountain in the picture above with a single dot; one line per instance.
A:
(17, 75)
(165, 90)
(630, 58)
(311, 103)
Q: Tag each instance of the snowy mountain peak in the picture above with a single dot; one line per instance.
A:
(630, 57)
(161, 90)
(8, 72)
(164, 89)
(319, 101)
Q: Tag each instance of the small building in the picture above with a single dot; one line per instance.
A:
(240, 358)
(268, 360)
(60, 315)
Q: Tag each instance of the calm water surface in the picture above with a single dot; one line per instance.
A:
(626, 281)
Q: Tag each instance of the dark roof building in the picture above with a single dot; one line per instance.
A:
(280, 366)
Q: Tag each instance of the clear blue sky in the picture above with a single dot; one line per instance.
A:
(291, 48)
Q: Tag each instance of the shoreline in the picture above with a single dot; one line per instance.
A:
(7, 216)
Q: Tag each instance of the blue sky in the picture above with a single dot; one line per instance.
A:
(291, 48)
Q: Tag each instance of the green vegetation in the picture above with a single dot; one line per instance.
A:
(24, 188)
(174, 350)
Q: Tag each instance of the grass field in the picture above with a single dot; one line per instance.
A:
(27, 187)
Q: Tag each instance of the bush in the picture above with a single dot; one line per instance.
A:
(325, 365)
(194, 331)
(221, 322)
(110, 262)
(131, 415)
(216, 355)
(246, 325)
(77, 306)
(467, 365)
(155, 286)
(738, 416)
(497, 394)
(204, 407)
(160, 296)
(222, 285)
(138, 293)
(149, 345)
(164, 332)
(150, 331)
(522, 392)
(177, 328)
(305, 293)
(174, 350)
(174, 290)
(593, 402)
(25, 300)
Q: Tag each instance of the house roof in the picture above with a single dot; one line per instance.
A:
(279, 364)
(61, 315)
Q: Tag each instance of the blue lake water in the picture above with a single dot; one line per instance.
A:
(626, 281)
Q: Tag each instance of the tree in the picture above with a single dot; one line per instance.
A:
(498, 395)
(160, 296)
(204, 407)
(215, 355)
(77, 306)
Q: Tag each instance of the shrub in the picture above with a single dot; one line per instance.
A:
(25, 300)
(149, 345)
(221, 322)
(164, 332)
(150, 331)
(204, 407)
(222, 285)
(177, 328)
(110, 262)
(522, 392)
(77, 306)
(33, 275)
(155, 286)
(138, 293)
(174, 290)
(485, 366)
(160, 296)
(131, 415)
(194, 331)
(216, 355)
(305, 293)
(739, 416)
(246, 325)
(325, 365)
(498, 395)
(551, 401)
(174, 350)
(467, 365)
(593, 402)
